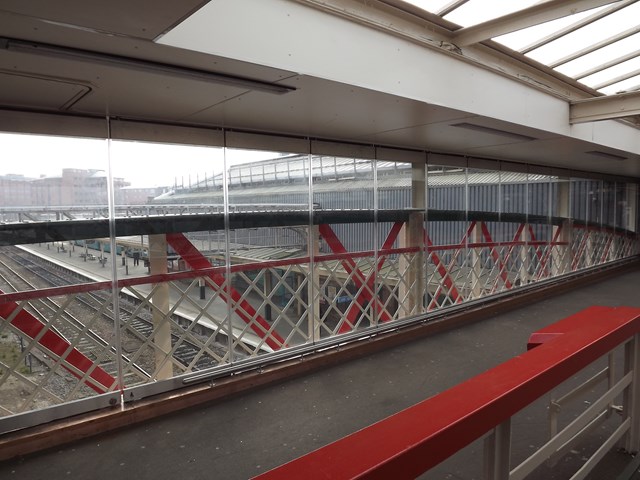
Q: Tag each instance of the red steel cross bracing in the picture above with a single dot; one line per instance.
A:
(496, 256)
(195, 260)
(365, 284)
(442, 269)
(72, 359)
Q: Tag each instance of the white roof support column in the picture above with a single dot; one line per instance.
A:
(605, 108)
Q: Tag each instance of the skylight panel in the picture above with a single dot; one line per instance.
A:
(628, 85)
(523, 38)
(601, 56)
(479, 11)
(433, 6)
(598, 79)
(588, 35)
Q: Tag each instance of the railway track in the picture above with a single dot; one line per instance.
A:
(136, 323)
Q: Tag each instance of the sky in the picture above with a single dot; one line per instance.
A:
(142, 164)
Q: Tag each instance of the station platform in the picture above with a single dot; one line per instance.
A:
(251, 433)
(74, 258)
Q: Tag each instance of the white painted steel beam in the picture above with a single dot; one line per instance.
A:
(605, 108)
(528, 17)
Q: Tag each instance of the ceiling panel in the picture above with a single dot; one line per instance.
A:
(142, 95)
(23, 90)
(331, 109)
(567, 153)
(139, 18)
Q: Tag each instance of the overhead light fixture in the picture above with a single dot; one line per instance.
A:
(66, 53)
(494, 131)
(609, 156)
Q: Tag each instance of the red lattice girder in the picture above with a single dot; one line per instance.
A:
(353, 310)
(496, 256)
(554, 242)
(58, 346)
(442, 269)
(246, 312)
(364, 284)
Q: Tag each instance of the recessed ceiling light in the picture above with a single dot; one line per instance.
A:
(494, 131)
(610, 156)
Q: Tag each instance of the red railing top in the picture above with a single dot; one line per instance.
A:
(416, 439)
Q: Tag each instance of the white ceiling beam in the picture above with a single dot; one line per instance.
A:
(539, 13)
(605, 108)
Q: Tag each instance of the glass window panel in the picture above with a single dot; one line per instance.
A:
(44, 183)
(269, 251)
(343, 190)
(401, 286)
(447, 227)
(174, 321)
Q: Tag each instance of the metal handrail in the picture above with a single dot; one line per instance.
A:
(418, 438)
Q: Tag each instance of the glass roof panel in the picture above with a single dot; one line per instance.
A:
(577, 67)
(523, 38)
(588, 35)
(478, 11)
(612, 73)
(433, 6)
(584, 53)
(628, 85)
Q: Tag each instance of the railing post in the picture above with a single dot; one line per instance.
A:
(630, 407)
(497, 452)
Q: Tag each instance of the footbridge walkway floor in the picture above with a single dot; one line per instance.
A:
(251, 433)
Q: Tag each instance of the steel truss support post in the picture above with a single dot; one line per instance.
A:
(497, 453)
(525, 277)
(412, 290)
(476, 263)
(631, 214)
(160, 301)
(562, 257)
(631, 397)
